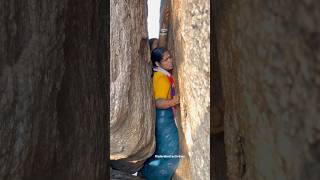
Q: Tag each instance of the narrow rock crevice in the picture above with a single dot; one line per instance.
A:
(131, 91)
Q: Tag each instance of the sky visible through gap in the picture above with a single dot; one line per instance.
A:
(153, 18)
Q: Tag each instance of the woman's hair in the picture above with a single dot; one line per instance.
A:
(157, 55)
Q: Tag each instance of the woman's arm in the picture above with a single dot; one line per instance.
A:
(166, 103)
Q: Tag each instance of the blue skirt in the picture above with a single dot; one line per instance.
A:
(163, 163)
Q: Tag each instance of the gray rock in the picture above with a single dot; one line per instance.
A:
(120, 175)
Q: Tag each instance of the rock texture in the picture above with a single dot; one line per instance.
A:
(119, 175)
(268, 53)
(53, 90)
(188, 42)
(132, 121)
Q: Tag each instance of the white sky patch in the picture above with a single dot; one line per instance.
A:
(153, 18)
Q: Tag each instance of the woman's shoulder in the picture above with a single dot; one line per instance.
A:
(157, 75)
(160, 76)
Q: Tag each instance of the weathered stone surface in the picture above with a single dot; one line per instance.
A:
(132, 120)
(219, 164)
(120, 175)
(52, 90)
(269, 59)
(188, 41)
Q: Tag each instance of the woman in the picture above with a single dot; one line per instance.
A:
(162, 165)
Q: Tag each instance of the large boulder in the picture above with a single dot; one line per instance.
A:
(53, 90)
(268, 53)
(188, 42)
(132, 137)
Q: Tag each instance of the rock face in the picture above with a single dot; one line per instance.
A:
(118, 175)
(188, 42)
(270, 73)
(53, 90)
(132, 121)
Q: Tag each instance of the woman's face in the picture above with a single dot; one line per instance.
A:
(166, 61)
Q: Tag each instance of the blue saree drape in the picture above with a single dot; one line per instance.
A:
(163, 163)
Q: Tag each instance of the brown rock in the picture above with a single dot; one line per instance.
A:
(132, 110)
(52, 90)
(188, 41)
(269, 60)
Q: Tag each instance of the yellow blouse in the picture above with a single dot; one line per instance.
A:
(161, 86)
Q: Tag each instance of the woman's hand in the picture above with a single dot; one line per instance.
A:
(167, 103)
(175, 100)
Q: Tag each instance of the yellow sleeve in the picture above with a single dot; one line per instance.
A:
(161, 87)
